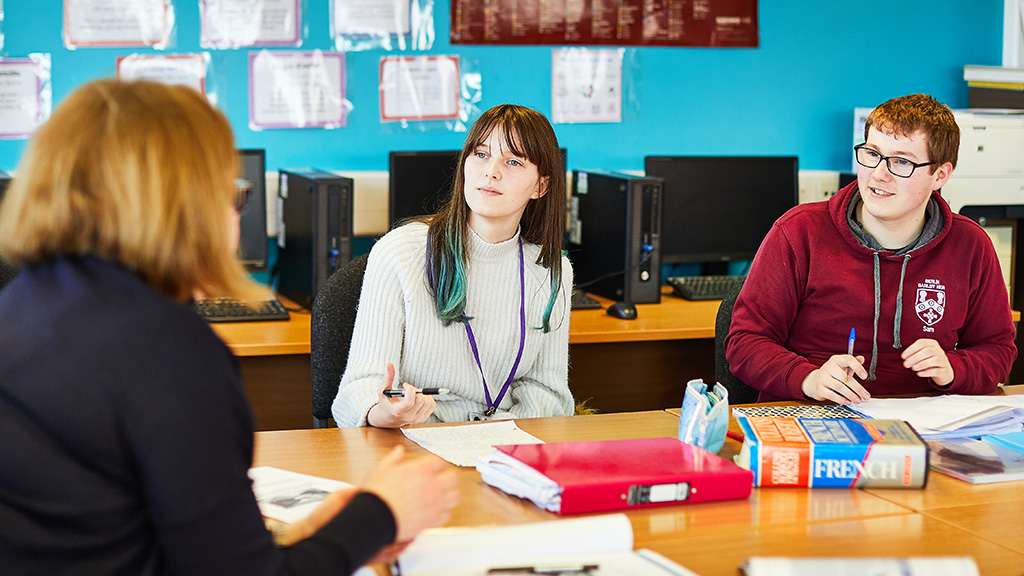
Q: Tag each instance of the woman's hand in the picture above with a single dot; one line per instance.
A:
(412, 408)
(420, 492)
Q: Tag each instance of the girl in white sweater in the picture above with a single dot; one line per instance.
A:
(475, 298)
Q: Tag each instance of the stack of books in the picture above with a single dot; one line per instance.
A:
(995, 87)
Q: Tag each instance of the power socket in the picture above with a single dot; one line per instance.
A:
(817, 185)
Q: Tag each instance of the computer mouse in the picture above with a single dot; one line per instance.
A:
(622, 310)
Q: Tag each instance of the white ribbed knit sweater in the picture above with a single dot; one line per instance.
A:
(397, 322)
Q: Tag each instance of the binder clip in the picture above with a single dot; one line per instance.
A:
(705, 415)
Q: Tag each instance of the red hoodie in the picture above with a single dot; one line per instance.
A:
(812, 281)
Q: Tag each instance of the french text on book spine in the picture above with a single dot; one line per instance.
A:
(836, 453)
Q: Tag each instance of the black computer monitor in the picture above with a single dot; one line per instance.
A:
(252, 242)
(419, 181)
(719, 208)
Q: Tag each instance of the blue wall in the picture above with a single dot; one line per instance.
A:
(792, 95)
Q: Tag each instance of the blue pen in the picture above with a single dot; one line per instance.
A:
(849, 349)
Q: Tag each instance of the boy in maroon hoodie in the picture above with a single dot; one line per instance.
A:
(885, 256)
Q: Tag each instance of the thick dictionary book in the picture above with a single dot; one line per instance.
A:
(833, 453)
(603, 475)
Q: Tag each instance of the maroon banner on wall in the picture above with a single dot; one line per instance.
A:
(710, 23)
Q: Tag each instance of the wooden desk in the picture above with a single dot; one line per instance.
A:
(622, 365)
(985, 510)
(712, 538)
(274, 359)
(642, 364)
(672, 319)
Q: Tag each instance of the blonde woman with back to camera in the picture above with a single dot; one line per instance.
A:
(128, 436)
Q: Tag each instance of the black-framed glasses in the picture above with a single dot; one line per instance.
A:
(243, 194)
(897, 165)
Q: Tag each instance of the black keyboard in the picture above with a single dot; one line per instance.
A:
(704, 287)
(231, 310)
(581, 301)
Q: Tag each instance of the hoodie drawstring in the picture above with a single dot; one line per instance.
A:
(899, 306)
(896, 344)
(878, 309)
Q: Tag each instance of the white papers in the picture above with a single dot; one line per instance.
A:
(463, 445)
(951, 416)
(511, 476)
(419, 88)
(289, 496)
(371, 16)
(185, 69)
(639, 563)
(445, 550)
(296, 89)
(236, 23)
(586, 85)
(117, 22)
(975, 461)
(918, 566)
(25, 98)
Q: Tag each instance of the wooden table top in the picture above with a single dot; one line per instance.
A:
(673, 319)
(712, 538)
(268, 338)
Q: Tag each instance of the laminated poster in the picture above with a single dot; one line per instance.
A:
(24, 96)
(371, 17)
(419, 88)
(586, 85)
(185, 69)
(238, 23)
(296, 89)
(100, 23)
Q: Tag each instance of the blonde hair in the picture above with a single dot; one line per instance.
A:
(136, 173)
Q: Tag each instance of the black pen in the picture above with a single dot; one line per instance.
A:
(427, 391)
(552, 569)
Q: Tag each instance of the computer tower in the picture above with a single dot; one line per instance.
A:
(614, 236)
(314, 231)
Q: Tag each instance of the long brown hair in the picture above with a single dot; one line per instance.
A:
(529, 135)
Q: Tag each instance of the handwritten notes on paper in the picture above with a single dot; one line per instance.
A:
(463, 444)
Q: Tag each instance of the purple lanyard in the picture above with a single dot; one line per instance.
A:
(493, 406)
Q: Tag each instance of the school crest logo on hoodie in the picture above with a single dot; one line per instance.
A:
(931, 302)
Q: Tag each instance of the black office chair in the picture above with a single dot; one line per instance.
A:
(330, 334)
(739, 392)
